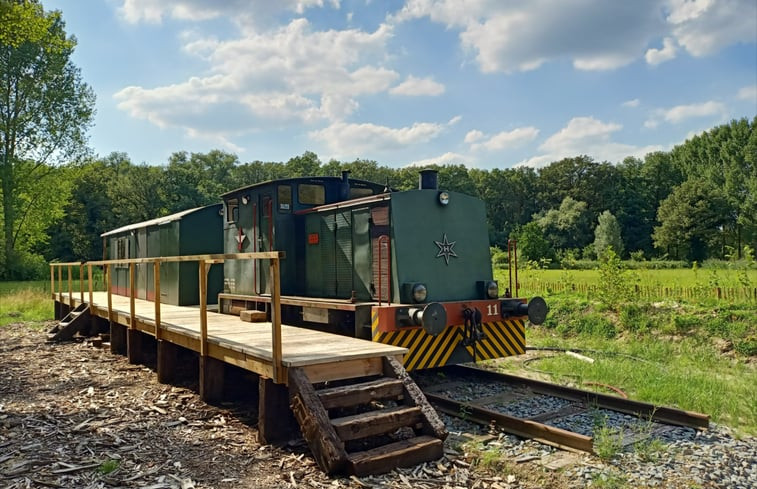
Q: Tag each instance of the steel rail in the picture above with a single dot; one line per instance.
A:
(667, 415)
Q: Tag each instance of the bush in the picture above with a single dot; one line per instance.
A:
(747, 346)
(635, 318)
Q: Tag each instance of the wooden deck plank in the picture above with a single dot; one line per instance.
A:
(301, 347)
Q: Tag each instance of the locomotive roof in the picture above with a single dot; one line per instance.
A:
(297, 179)
(159, 221)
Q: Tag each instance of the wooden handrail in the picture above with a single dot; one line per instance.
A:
(204, 262)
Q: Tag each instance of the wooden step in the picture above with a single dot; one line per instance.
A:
(376, 422)
(363, 393)
(404, 453)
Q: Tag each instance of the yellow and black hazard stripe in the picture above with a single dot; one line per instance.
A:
(501, 339)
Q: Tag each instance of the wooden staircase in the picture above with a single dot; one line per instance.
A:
(76, 321)
(368, 427)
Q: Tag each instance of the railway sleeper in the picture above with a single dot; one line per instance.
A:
(368, 426)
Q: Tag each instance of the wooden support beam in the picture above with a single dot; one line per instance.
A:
(52, 282)
(167, 355)
(211, 379)
(60, 281)
(117, 338)
(134, 345)
(276, 423)
(108, 271)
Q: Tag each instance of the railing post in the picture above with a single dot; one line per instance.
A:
(91, 287)
(156, 290)
(52, 281)
(81, 282)
(70, 288)
(203, 308)
(60, 281)
(132, 299)
(108, 273)
(278, 371)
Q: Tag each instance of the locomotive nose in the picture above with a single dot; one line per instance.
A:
(433, 318)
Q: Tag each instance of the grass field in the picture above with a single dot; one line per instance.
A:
(691, 351)
(680, 277)
(25, 301)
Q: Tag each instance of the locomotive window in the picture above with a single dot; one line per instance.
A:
(285, 198)
(123, 251)
(356, 192)
(311, 194)
(232, 210)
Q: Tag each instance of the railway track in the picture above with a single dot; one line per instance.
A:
(560, 416)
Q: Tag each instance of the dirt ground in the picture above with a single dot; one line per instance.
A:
(75, 415)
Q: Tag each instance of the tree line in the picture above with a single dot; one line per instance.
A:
(694, 202)
(697, 201)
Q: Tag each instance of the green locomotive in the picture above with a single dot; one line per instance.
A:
(408, 268)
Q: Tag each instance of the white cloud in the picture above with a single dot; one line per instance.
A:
(657, 56)
(631, 103)
(290, 75)
(522, 35)
(418, 86)
(501, 140)
(448, 158)
(748, 92)
(473, 136)
(585, 136)
(153, 11)
(357, 140)
(705, 26)
(680, 113)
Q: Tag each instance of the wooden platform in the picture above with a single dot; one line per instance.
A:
(323, 356)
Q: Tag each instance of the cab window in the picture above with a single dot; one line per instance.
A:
(308, 193)
(285, 198)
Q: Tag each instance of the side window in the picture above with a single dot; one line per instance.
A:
(123, 251)
(285, 198)
(312, 194)
(232, 210)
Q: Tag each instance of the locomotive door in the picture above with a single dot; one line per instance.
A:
(265, 241)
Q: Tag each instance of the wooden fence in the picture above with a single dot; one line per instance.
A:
(729, 294)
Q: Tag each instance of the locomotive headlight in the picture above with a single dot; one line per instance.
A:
(492, 289)
(419, 292)
(444, 198)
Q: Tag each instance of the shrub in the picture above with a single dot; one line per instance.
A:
(635, 318)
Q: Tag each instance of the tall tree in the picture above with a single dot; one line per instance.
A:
(45, 110)
(691, 220)
(607, 235)
(568, 226)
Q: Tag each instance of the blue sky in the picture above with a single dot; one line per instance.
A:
(486, 83)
